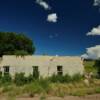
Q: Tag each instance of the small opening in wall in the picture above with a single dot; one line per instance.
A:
(60, 70)
(6, 69)
(35, 72)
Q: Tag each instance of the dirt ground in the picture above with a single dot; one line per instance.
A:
(90, 97)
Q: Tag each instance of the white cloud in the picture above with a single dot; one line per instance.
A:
(43, 4)
(92, 52)
(52, 17)
(94, 31)
(96, 3)
(51, 36)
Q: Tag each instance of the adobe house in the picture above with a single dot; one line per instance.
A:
(46, 65)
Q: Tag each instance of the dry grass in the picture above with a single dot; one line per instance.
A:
(54, 89)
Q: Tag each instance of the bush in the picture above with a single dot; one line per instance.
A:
(53, 78)
(77, 77)
(97, 90)
(33, 88)
(30, 78)
(38, 86)
(20, 79)
(44, 83)
(0, 75)
(6, 78)
(67, 78)
(59, 78)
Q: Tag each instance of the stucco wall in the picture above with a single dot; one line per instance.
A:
(47, 64)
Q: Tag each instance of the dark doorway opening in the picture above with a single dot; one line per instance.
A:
(59, 70)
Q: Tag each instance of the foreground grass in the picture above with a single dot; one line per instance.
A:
(45, 88)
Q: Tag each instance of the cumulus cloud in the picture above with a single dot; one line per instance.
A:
(96, 3)
(94, 31)
(92, 53)
(52, 17)
(43, 4)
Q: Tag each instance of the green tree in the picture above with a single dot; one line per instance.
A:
(97, 65)
(12, 43)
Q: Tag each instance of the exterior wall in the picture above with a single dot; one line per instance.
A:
(47, 64)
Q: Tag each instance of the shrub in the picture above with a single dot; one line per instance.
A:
(6, 78)
(44, 83)
(53, 78)
(37, 86)
(97, 90)
(57, 78)
(77, 77)
(0, 75)
(33, 88)
(67, 78)
(30, 78)
(60, 78)
(20, 79)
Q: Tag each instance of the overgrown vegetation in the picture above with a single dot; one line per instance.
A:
(66, 78)
(93, 66)
(20, 79)
(89, 66)
(97, 66)
(56, 85)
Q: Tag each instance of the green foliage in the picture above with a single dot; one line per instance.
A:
(30, 78)
(33, 88)
(12, 43)
(43, 97)
(0, 75)
(6, 78)
(20, 79)
(44, 83)
(21, 52)
(66, 78)
(97, 65)
(41, 86)
(89, 66)
(53, 78)
(57, 78)
(97, 90)
(37, 86)
(77, 77)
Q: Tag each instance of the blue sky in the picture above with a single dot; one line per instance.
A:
(64, 36)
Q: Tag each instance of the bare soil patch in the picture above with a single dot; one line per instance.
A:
(89, 97)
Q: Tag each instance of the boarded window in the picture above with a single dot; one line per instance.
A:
(6, 69)
(35, 72)
(59, 70)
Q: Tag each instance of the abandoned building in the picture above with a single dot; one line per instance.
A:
(46, 65)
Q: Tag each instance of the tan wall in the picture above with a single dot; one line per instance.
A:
(71, 65)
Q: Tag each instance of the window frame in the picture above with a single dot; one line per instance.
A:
(6, 69)
(60, 70)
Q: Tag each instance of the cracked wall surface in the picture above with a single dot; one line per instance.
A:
(47, 64)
